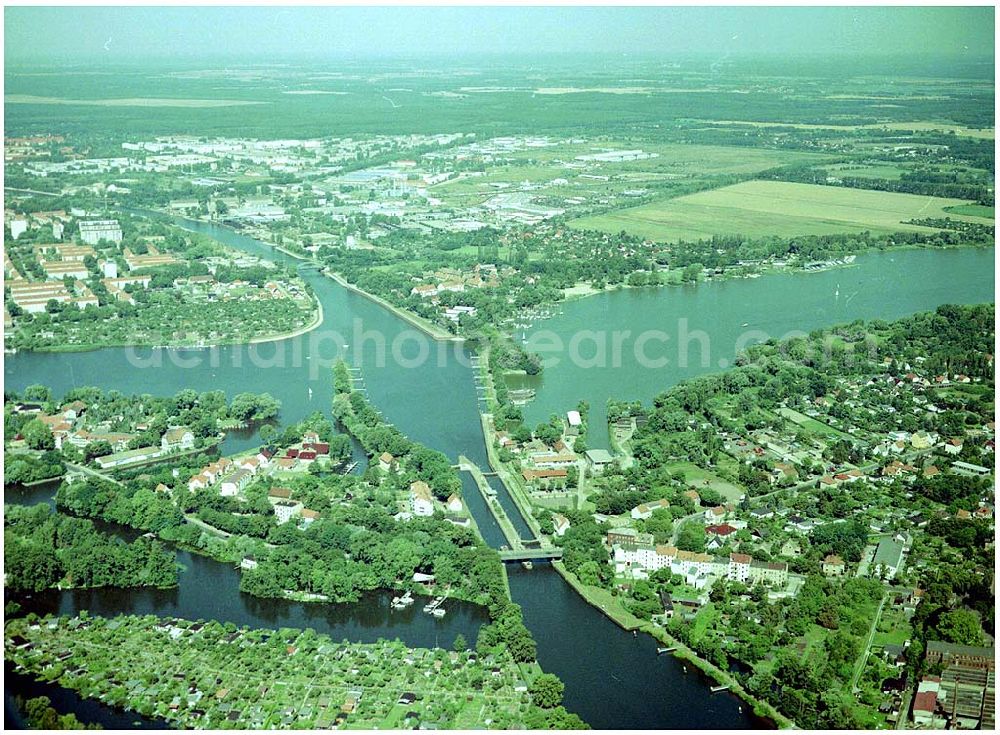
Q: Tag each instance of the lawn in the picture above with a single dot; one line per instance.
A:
(762, 208)
(700, 477)
(811, 424)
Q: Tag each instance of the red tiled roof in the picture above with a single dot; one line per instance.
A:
(925, 701)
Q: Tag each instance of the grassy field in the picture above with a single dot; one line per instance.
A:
(811, 424)
(972, 210)
(700, 477)
(760, 208)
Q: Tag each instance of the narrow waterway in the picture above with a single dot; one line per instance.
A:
(428, 391)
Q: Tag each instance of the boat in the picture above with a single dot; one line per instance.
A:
(745, 324)
(527, 564)
(438, 612)
(310, 392)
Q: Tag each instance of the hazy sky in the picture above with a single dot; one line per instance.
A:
(253, 33)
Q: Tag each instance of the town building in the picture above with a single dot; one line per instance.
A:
(235, 483)
(93, 231)
(888, 559)
(285, 510)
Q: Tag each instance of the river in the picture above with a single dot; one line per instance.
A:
(428, 391)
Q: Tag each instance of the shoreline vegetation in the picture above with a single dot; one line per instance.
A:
(628, 622)
(429, 328)
(317, 320)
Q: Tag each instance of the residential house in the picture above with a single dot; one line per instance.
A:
(421, 499)
(560, 523)
(454, 504)
(645, 510)
(718, 514)
(177, 437)
(693, 496)
(834, 566)
(199, 482)
(235, 483)
(386, 462)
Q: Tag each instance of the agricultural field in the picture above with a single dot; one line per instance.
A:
(762, 208)
(555, 170)
(972, 210)
(916, 127)
(27, 99)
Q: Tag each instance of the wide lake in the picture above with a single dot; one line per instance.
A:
(666, 335)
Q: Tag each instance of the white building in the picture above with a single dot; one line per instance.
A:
(18, 227)
(285, 510)
(235, 483)
(421, 500)
(93, 231)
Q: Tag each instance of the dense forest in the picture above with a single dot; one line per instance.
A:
(43, 549)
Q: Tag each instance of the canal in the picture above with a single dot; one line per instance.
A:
(428, 391)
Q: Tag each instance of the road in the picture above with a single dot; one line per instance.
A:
(860, 666)
(93, 473)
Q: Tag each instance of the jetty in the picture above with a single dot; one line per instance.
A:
(720, 688)
(665, 649)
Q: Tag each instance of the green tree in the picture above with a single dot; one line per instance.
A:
(546, 691)
(37, 435)
(962, 627)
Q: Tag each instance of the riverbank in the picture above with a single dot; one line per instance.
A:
(585, 289)
(610, 605)
(317, 319)
(429, 328)
(505, 475)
